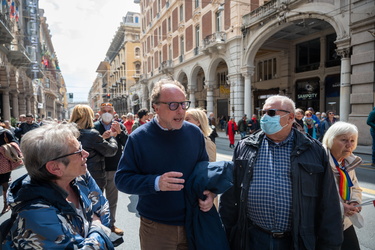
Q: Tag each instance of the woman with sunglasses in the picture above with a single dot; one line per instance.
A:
(309, 124)
(57, 204)
(94, 143)
(327, 123)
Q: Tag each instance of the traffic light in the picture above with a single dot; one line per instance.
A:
(108, 95)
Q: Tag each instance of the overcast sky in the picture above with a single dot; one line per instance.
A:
(82, 31)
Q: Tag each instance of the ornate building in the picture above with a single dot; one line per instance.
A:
(231, 55)
(121, 68)
(30, 80)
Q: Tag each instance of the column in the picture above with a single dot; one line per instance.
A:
(191, 92)
(247, 72)
(28, 104)
(209, 85)
(15, 111)
(345, 83)
(6, 106)
(237, 86)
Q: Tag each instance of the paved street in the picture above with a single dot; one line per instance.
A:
(128, 218)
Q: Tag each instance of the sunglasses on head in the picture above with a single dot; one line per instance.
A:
(106, 104)
(272, 112)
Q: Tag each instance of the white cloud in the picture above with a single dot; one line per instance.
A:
(81, 35)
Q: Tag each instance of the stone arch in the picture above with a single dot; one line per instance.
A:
(260, 36)
(182, 77)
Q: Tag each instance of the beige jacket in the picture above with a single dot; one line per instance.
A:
(351, 163)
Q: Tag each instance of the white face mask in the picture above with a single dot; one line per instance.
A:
(107, 117)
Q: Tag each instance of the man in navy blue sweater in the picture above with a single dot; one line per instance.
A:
(158, 157)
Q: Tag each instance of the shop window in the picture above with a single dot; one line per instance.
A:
(308, 55)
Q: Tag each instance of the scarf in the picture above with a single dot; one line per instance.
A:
(345, 183)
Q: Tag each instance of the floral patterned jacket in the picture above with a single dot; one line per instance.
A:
(45, 220)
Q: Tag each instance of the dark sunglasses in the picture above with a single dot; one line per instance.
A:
(330, 113)
(106, 104)
(272, 112)
(174, 105)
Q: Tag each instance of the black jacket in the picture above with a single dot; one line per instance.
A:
(112, 162)
(316, 215)
(97, 147)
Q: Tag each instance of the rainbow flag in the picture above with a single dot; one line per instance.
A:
(345, 184)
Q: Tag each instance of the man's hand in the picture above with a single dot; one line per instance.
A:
(106, 134)
(115, 127)
(171, 181)
(207, 204)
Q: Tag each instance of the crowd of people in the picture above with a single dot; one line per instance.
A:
(291, 184)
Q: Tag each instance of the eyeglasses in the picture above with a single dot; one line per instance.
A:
(308, 115)
(330, 113)
(106, 104)
(272, 112)
(174, 105)
(79, 151)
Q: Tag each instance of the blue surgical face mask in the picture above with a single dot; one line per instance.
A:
(271, 124)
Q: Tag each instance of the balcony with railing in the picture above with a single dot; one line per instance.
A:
(167, 67)
(5, 30)
(17, 55)
(214, 43)
(263, 12)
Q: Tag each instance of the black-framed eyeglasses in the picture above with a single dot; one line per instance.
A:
(79, 151)
(272, 112)
(174, 105)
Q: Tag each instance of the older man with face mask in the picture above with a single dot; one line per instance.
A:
(105, 125)
(284, 195)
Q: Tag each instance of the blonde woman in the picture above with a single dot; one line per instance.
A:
(199, 118)
(95, 144)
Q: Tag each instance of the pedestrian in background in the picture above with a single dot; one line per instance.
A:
(231, 130)
(158, 158)
(371, 123)
(254, 124)
(340, 140)
(242, 126)
(327, 123)
(25, 127)
(107, 123)
(94, 143)
(7, 163)
(309, 124)
(129, 122)
(198, 118)
(57, 204)
(142, 118)
(299, 120)
(283, 196)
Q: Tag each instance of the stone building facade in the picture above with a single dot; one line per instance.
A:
(30, 79)
(231, 55)
(120, 70)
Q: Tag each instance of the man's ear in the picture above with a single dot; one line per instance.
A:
(54, 168)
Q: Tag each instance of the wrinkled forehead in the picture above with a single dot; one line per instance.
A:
(106, 109)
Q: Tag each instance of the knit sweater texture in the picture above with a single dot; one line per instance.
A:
(150, 152)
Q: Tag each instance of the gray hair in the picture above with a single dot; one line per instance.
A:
(337, 129)
(47, 142)
(287, 103)
(155, 94)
